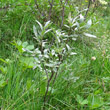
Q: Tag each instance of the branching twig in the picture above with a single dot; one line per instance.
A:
(87, 9)
(4, 8)
(50, 10)
(95, 7)
(37, 5)
(46, 72)
(48, 84)
(63, 12)
(53, 76)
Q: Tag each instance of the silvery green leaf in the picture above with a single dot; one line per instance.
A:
(81, 18)
(46, 24)
(75, 24)
(76, 29)
(73, 53)
(37, 51)
(65, 39)
(89, 35)
(77, 9)
(63, 34)
(48, 31)
(35, 38)
(58, 32)
(83, 10)
(24, 49)
(40, 25)
(40, 56)
(43, 44)
(89, 23)
(37, 60)
(50, 65)
(74, 35)
(67, 26)
(58, 39)
(74, 19)
(72, 78)
(55, 69)
(68, 47)
(35, 31)
(103, 2)
(34, 67)
(39, 66)
(49, 71)
(74, 39)
(57, 59)
(46, 56)
(75, 78)
(64, 50)
(69, 17)
(56, 55)
(45, 51)
(66, 36)
(51, 89)
(53, 52)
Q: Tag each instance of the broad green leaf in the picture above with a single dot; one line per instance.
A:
(84, 102)
(43, 88)
(24, 44)
(79, 98)
(30, 47)
(2, 83)
(2, 60)
(29, 84)
(81, 101)
(95, 101)
(19, 42)
(3, 69)
(28, 62)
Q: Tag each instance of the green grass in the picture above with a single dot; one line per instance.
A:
(78, 75)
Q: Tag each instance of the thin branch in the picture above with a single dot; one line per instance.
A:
(46, 72)
(48, 84)
(37, 5)
(88, 9)
(50, 10)
(63, 12)
(4, 8)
